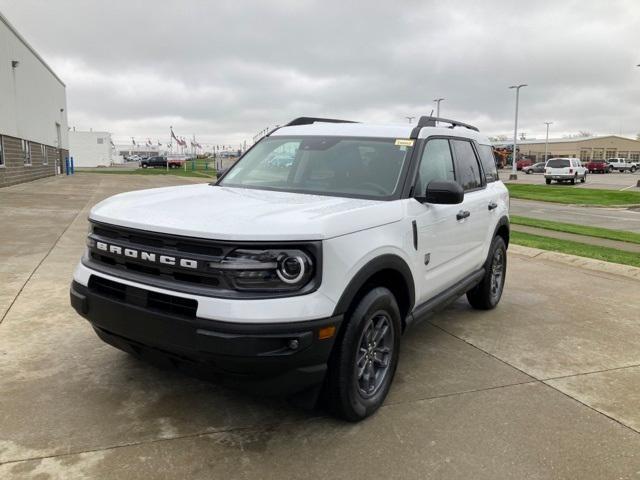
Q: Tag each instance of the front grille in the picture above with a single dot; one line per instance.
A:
(160, 302)
(201, 251)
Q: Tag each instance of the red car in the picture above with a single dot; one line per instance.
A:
(599, 166)
(520, 164)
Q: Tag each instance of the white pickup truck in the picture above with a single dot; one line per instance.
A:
(622, 165)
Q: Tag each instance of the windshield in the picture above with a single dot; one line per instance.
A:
(558, 163)
(340, 166)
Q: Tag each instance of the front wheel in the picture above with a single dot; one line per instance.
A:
(547, 181)
(633, 169)
(528, 172)
(364, 361)
(488, 292)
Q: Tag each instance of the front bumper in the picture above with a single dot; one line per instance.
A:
(272, 358)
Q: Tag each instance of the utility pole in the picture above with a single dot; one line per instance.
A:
(438, 100)
(546, 142)
(410, 118)
(514, 168)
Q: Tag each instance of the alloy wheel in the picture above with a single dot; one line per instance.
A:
(375, 351)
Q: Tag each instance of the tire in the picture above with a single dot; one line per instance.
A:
(547, 181)
(633, 169)
(144, 165)
(584, 178)
(345, 390)
(573, 180)
(528, 172)
(486, 295)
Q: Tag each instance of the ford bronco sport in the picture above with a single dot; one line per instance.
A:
(300, 276)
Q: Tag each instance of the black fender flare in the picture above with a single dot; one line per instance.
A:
(383, 262)
(503, 222)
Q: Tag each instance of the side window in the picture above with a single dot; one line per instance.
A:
(1, 152)
(467, 168)
(488, 163)
(436, 164)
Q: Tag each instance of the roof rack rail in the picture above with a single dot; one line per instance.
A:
(428, 121)
(311, 120)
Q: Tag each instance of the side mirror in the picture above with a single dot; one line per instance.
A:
(444, 192)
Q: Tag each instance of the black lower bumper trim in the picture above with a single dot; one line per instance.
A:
(280, 358)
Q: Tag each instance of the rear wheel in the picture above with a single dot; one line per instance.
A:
(573, 180)
(584, 178)
(633, 169)
(364, 362)
(488, 292)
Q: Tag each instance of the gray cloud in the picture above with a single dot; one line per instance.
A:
(224, 70)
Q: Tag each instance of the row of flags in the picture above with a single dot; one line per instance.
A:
(180, 141)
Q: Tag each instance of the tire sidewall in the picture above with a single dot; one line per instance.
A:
(497, 243)
(354, 406)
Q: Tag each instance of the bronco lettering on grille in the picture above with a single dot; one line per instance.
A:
(147, 256)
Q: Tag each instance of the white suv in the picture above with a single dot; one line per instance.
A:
(301, 276)
(564, 170)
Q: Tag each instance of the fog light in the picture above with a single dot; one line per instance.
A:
(294, 344)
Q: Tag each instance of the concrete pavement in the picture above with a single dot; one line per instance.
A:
(545, 386)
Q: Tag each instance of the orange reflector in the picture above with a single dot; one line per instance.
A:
(326, 332)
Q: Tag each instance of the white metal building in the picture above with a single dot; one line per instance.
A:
(33, 111)
(92, 149)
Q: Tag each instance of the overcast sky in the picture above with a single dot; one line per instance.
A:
(226, 69)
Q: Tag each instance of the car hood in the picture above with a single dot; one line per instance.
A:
(226, 213)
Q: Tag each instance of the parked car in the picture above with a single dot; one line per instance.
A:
(598, 166)
(520, 164)
(622, 165)
(564, 170)
(302, 281)
(160, 162)
(535, 168)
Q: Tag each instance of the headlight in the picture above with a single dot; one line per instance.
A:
(268, 269)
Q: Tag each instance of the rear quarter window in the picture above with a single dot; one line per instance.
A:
(488, 161)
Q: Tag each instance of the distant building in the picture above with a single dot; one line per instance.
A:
(33, 112)
(584, 148)
(92, 149)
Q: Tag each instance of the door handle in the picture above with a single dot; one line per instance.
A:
(462, 214)
(493, 205)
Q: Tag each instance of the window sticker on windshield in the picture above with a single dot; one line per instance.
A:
(401, 142)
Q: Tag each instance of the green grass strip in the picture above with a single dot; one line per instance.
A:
(568, 194)
(152, 171)
(620, 235)
(576, 248)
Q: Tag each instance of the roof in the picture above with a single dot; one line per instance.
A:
(4, 20)
(376, 131)
(561, 140)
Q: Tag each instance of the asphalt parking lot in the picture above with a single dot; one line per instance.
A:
(545, 386)
(606, 181)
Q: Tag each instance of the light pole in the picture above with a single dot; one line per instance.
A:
(514, 156)
(409, 118)
(438, 100)
(546, 142)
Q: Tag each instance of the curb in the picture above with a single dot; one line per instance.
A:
(580, 262)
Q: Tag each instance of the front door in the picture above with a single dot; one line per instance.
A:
(442, 238)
